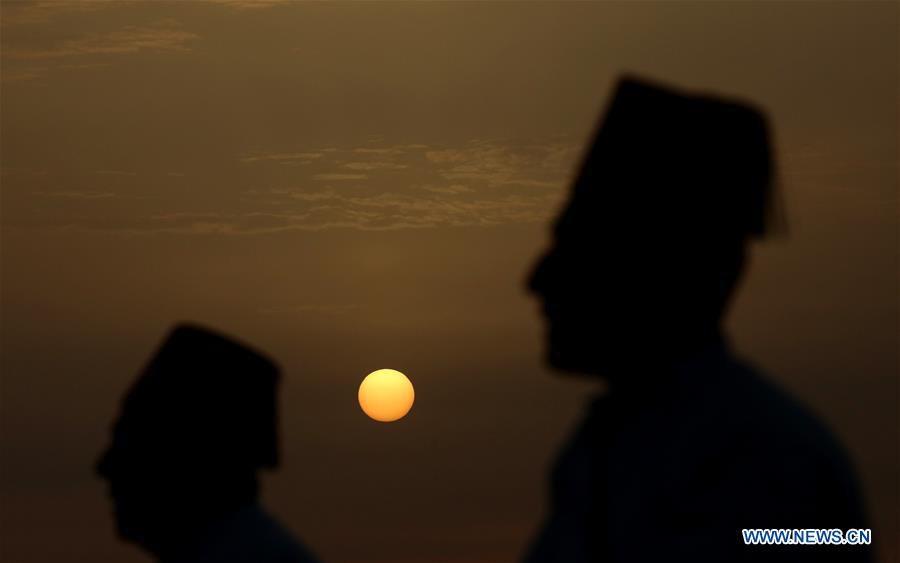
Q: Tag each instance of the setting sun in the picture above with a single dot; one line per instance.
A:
(386, 395)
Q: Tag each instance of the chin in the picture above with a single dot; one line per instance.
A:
(125, 528)
(130, 524)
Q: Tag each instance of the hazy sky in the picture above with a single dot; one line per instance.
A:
(356, 186)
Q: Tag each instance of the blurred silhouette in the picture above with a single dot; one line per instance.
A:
(689, 445)
(182, 467)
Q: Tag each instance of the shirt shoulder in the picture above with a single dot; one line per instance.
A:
(250, 535)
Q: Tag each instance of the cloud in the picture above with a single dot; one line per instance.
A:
(250, 4)
(77, 195)
(381, 151)
(478, 164)
(375, 166)
(454, 189)
(340, 177)
(164, 37)
(42, 11)
(479, 183)
(17, 13)
(385, 212)
(86, 66)
(177, 215)
(22, 75)
(395, 149)
(315, 211)
(314, 196)
(283, 157)
(495, 164)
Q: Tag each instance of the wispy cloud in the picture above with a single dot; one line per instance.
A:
(378, 165)
(329, 210)
(17, 13)
(190, 215)
(42, 11)
(77, 195)
(337, 176)
(85, 66)
(452, 189)
(28, 73)
(481, 183)
(23, 74)
(393, 149)
(313, 196)
(250, 4)
(283, 157)
(493, 164)
(164, 37)
(381, 151)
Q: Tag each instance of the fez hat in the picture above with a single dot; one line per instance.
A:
(682, 164)
(206, 400)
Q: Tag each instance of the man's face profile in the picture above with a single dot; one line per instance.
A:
(133, 478)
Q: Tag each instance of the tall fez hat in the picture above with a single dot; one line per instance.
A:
(663, 161)
(206, 400)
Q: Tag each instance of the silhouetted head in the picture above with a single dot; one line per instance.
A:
(193, 431)
(651, 244)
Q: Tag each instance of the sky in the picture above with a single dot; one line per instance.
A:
(352, 186)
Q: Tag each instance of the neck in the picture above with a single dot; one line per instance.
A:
(169, 527)
(662, 368)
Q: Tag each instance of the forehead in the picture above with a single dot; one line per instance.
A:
(597, 219)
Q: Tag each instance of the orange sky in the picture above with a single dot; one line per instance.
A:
(357, 186)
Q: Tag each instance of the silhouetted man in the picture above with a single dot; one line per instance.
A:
(182, 467)
(689, 445)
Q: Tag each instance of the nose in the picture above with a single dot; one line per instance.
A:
(537, 280)
(103, 466)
